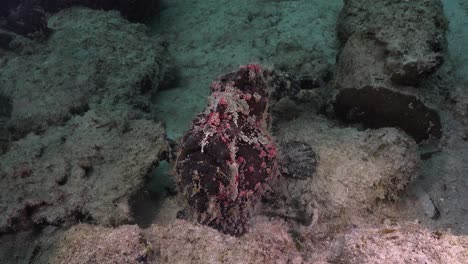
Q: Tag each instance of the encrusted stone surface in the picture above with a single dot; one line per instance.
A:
(91, 244)
(356, 169)
(298, 160)
(411, 32)
(185, 242)
(85, 171)
(93, 58)
(365, 94)
(397, 244)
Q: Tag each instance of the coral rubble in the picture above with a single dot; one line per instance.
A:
(268, 242)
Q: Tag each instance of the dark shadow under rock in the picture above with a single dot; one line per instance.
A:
(380, 107)
(5, 114)
(5, 40)
(28, 19)
(135, 10)
(146, 203)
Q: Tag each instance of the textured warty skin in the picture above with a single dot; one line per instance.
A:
(227, 158)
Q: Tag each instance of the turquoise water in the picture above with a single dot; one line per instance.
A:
(211, 38)
(96, 97)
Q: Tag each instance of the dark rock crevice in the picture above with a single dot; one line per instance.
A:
(380, 107)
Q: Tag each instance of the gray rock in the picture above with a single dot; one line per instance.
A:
(412, 34)
(85, 171)
(366, 94)
(356, 169)
(93, 59)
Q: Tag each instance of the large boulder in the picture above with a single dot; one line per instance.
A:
(412, 34)
(184, 242)
(93, 58)
(91, 244)
(135, 10)
(366, 94)
(85, 171)
(353, 171)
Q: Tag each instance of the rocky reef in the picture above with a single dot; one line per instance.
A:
(77, 136)
(355, 170)
(388, 48)
(411, 35)
(85, 66)
(267, 242)
(28, 18)
(77, 173)
(296, 161)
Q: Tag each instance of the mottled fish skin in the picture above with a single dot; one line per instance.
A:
(228, 158)
(298, 160)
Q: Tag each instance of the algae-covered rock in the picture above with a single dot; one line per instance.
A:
(185, 242)
(401, 244)
(93, 58)
(366, 94)
(355, 169)
(85, 171)
(91, 244)
(135, 10)
(411, 32)
(388, 48)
